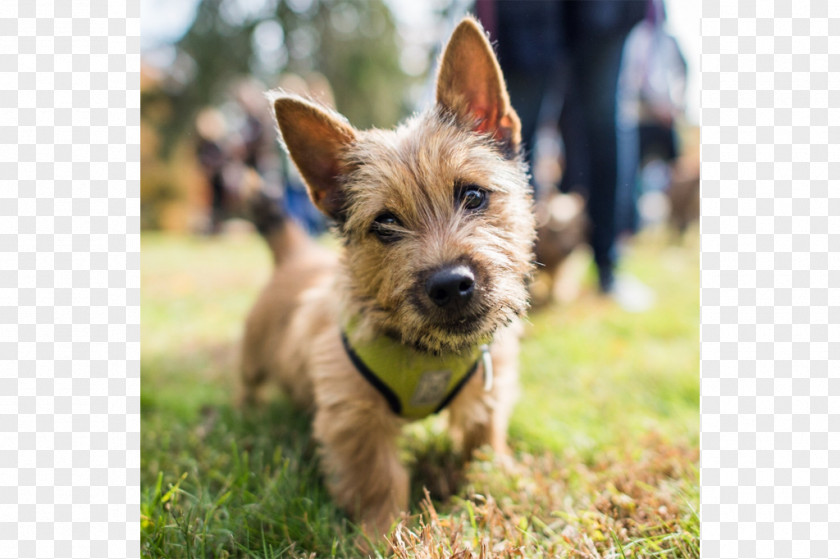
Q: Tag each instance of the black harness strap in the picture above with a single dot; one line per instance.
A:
(458, 387)
(392, 399)
(389, 395)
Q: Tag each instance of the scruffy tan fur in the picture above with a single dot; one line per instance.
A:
(471, 136)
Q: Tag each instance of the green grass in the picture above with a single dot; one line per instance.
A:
(605, 434)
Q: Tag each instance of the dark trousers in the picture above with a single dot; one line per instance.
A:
(588, 127)
(569, 53)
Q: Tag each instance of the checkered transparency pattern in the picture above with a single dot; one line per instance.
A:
(69, 279)
(770, 246)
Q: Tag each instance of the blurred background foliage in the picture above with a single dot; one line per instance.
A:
(356, 45)
(352, 42)
(377, 56)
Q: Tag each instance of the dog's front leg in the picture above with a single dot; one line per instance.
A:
(360, 460)
(480, 416)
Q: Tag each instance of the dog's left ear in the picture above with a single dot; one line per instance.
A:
(470, 84)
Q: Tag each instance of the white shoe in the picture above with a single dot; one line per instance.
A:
(631, 294)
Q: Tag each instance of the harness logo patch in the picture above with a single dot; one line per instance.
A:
(431, 389)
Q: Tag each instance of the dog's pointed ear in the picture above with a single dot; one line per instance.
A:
(470, 85)
(316, 140)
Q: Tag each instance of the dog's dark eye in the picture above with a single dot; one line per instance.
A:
(472, 197)
(383, 227)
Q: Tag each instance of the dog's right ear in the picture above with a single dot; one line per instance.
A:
(316, 139)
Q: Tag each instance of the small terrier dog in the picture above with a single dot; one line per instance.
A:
(420, 310)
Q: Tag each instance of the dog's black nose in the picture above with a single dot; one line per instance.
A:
(451, 286)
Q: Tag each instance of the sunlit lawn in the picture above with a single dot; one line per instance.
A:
(605, 434)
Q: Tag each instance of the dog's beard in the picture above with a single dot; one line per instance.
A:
(434, 330)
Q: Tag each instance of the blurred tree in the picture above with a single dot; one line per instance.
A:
(354, 43)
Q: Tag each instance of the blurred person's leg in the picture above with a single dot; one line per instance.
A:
(615, 176)
(627, 190)
(527, 42)
(217, 206)
(526, 95)
(594, 34)
(574, 133)
(606, 190)
(598, 75)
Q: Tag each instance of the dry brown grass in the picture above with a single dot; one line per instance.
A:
(638, 503)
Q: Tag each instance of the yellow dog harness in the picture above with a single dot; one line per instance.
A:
(416, 384)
